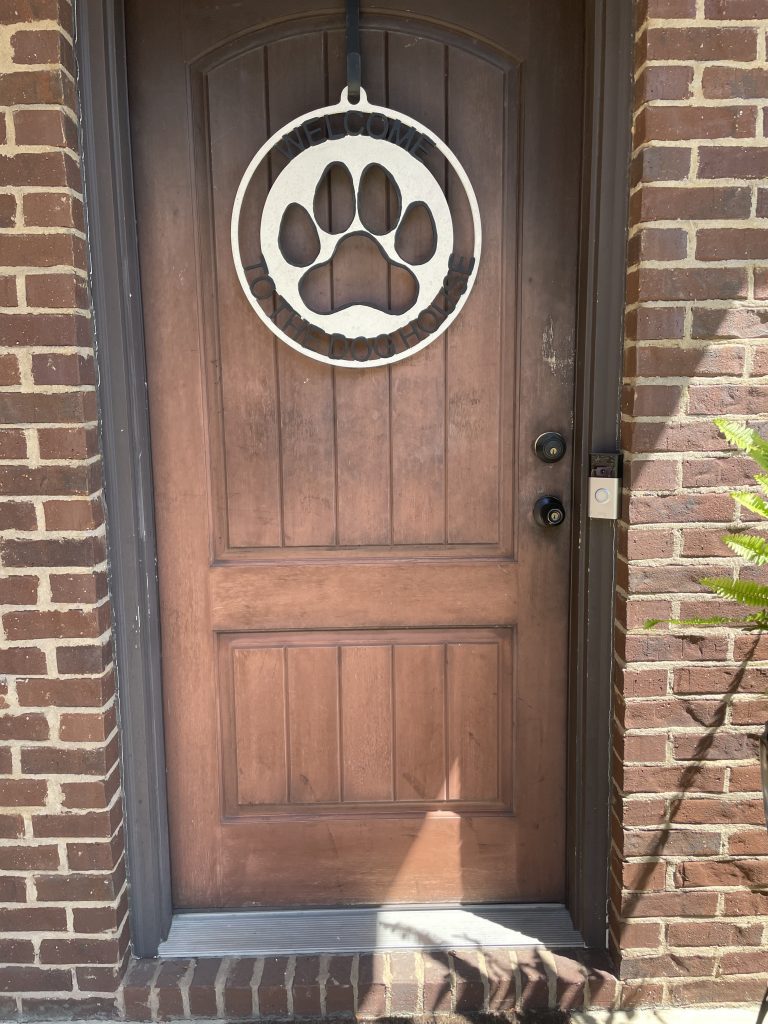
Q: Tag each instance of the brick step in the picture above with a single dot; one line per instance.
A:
(504, 982)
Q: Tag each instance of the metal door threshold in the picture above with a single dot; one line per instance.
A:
(368, 929)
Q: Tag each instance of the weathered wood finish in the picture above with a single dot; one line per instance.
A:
(311, 519)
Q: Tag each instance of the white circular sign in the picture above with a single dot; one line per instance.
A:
(356, 137)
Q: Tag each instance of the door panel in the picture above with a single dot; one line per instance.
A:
(364, 633)
(402, 720)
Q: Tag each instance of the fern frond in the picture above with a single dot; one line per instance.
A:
(743, 591)
(762, 480)
(752, 501)
(744, 438)
(715, 620)
(754, 549)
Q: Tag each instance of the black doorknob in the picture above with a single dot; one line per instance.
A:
(549, 446)
(549, 511)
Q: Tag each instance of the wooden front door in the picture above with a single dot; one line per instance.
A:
(364, 631)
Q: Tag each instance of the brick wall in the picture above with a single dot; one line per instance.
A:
(690, 857)
(690, 867)
(62, 878)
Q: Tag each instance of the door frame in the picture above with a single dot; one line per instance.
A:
(119, 344)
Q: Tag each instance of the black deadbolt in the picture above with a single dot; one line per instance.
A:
(550, 446)
(549, 511)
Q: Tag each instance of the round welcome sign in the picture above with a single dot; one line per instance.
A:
(277, 277)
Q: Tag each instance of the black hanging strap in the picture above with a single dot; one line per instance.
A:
(354, 69)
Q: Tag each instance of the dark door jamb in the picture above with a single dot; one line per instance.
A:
(118, 326)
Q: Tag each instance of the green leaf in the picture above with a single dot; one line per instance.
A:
(763, 482)
(743, 591)
(745, 438)
(715, 620)
(754, 549)
(752, 501)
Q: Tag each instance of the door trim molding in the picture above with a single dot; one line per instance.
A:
(119, 342)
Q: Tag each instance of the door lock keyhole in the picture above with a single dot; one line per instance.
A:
(550, 446)
(549, 511)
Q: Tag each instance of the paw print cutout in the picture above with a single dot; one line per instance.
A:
(412, 235)
(355, 195)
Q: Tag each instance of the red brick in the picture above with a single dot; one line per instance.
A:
(738, 10)
(7, 220)
(202, 997)
(678, 123)
(71, 443)
(534, 982)
(60, 369)
(53, 209)
(661, 202)
(664, 361)
(637, 682)
(701, 44)
(78, 951)
(667, 9)
(732, 244)
(29, 858)
(238, 994)
(35, 127)
(651, 474)
(736, 398)
(33, 919)
(735, 83)
(21, 660)
(13, 444)
(719, 811)
(55, 552)
(405, 987)
(713, 933)
(273, 994)
(169, 1001)
(669, 904)
(684, 508)
(40, 86)
(730, 323)
(78, 588)
(23, 727)
(94, 795)
(660, 244)
(671, 842)
(659, 82)
(9, 370)
(660, 163)
(78, 888)
(34, 979)
(642, 544)
(306, 988)
(651, 400)
(56, 291)
(41, 46)
(64, 761)
(721, 747)
(17, 951)
(708, 472)
(48, 329)
(99, 979)
(371, 985)
(18, 590)
(690, 284)
(651, 323)
(658, 779)
(750, 843)
(11, 827)
(57, 170)
(65, 693)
